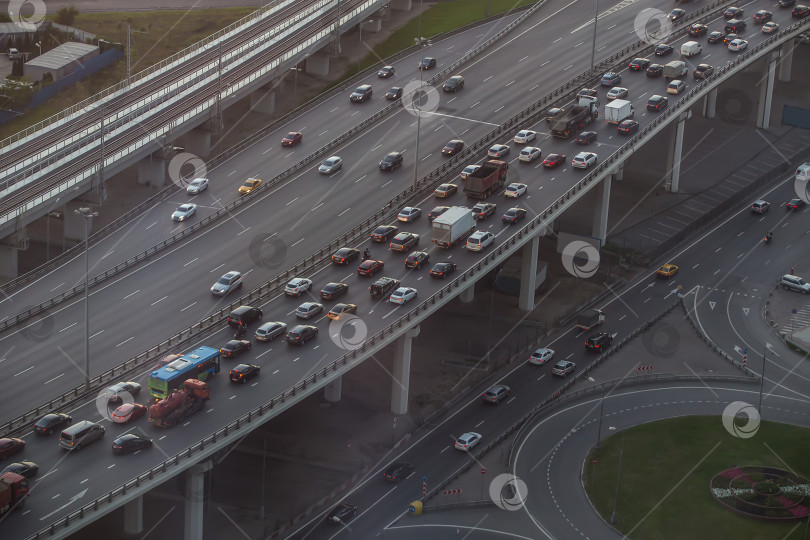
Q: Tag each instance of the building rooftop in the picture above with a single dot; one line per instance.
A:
(62, 55)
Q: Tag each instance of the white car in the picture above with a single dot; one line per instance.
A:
(498, 151)
(270, 330)
(524, 136)
(198, 185)
(228, 282)
(478, 240)
(468, 170)
(467, 441)
(529, 154)
(402, 295)
(737, 45)
(184, 212)
(583, 160)
(515, 190)
(298, 286)
(617, 92)
(409, 213)
(331, 165)
(676, 87)
(541, 356)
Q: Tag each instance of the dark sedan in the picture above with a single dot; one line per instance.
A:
(639, 64)
(513, 215)
(442, 270)
(794, 204)
(586, 137)
(370, 267)
(453, 147)
(10, 446)
(342, 513)
(628, 127)
(702, 71)
(482, 210)
(383, 233)
(234, 348)
(655, 70)
(244, 372)
(417, 259)
(800, 12)
(657, 103)
(25, 469)
(51, 423)
(345, 255)
(394, 94)
(663, 49)
(391, 161)
(301, 333)
(131, 442)
(292, 138)
(398, 471)
(733, 13)
(697, 30)
(762, 16)
(386, 71)
(716, 37)
(553, 160)
(436, 212)
(334, 290)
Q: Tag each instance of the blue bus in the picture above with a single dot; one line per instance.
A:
(197, 364)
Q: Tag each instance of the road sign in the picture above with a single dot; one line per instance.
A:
(483, 470)
(424, 478)
(794, 311)
(745, 351)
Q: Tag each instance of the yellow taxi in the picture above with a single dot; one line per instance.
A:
(667, 270)
(249, 185)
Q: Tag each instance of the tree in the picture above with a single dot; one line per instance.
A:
(66, 15)
(17, 67)
(19, 92)
(26, 46)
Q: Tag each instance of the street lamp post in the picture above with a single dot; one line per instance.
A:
(762, 379)
(421, 41)
(618, 479)
(370, 21)
(601, 413)
(39, 46)
(48, 231)
(87, 215)
(593, 47)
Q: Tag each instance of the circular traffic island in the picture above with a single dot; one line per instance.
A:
(689, 478)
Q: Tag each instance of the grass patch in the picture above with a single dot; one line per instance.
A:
(168, 32)
(658, 455)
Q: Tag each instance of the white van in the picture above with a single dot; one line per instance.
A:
(690, 48)
(13, 54)
(803, 172)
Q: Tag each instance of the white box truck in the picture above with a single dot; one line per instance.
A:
(618, 110)
(452, 227)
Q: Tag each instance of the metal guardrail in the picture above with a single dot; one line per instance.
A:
(270, 288)
(217, 160)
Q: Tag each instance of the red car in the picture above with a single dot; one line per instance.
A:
(10, 447)
(370, 267)
(128, 411)
(553, 160)
(292, 138)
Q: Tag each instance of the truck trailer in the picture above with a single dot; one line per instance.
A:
(179, 404)
(574, 118)
(486, 180)
(452, 227)
(13, 490)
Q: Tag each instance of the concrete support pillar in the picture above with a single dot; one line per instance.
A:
(528, 274)
(402, 371)
(133, 516)
(8, 261)
(766, 93)
(198, 142)
(675, 155)
(195, 500)
(710, 104)
(401, 5)
(787, 62)
(331, 392)
(263, 100)
(618, 172)
(318, 64)
(468, 294)
(152, 170)
(74, 224)
(600, 215)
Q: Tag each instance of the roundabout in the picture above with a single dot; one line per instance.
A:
(660, 447)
